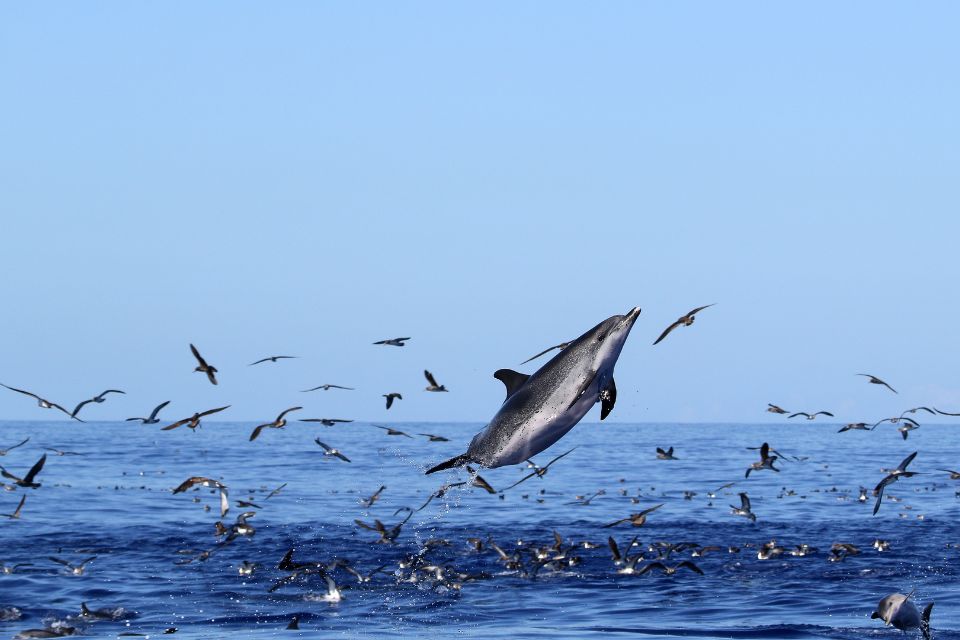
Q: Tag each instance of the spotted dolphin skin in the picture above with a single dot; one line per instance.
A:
(898, 611)
(541, 408)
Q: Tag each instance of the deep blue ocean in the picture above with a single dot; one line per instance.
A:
(114, 501)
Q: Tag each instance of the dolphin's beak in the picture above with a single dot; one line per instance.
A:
(632, 315)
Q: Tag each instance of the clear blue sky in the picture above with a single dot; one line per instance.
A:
(490, 179)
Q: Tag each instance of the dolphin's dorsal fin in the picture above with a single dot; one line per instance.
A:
(511, 379)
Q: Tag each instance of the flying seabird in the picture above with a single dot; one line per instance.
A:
(203, 367)
(391, 397)
(4, 452)
(43, 403)
(561, 347)
(60, 452)
(876, 380)
(665, 454)
(744, 508)
(26, 481)
(74, 569)
(98, 399)
(207, 482)
(394, 342)
(772, 408)
(895, 420)
(271, 359)
(766, 461)
(433, 386)
(434, 438)
(327, 422)
(636, 519)
(153, 414)
(279, 423)
(330, 451)
(368, 502)
(393, 432)
(327, 387)
(893, 476)
(954, 475)
(852, 426)
(538, 470)
(16, 512)
(193, 421)
(669, 571)
(686, 321)
(810, 416)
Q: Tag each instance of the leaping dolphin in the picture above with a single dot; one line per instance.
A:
(541, 408)
(899, 611)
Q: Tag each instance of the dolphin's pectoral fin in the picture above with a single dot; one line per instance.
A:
(582, 390)
(511, 379)
(608, 397)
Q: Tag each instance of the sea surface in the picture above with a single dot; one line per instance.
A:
(114, 501)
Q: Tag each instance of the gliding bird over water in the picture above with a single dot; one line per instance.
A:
(766, 461)
(876, 380)
(393, 342)
(153, 414)
(893, 476)
(4, 452)
(279, 423)
(203, 367)
(26, 481)
(42, 402)
(327, 387)
(810, 416)
(433, 386)
(685, 321)
(98, 399)
(193, 421)
(744, 508)
(272, 359)
(391, 397)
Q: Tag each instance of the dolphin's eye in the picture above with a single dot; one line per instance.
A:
(601, 337)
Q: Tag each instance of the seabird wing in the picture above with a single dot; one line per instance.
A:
(907, 461)
(196, 354)
(157, 409)
(26, 393)
(667, 331)
(80, 406)
(561, 346)
(212, 411)
(280, 417)
(256, 431)
(430, 378)
(699, 309)
(176, 424)
(35, 469)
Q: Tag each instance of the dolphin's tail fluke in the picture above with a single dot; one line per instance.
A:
(459, 461)
(925, 621)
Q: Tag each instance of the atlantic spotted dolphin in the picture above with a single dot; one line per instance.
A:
(541, 408)
(899, 611)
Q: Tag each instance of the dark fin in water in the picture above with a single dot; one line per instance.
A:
(511, 379)
(459, 461)
(294, 623)
(608, 398)
(84, 610)
(925, 621)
